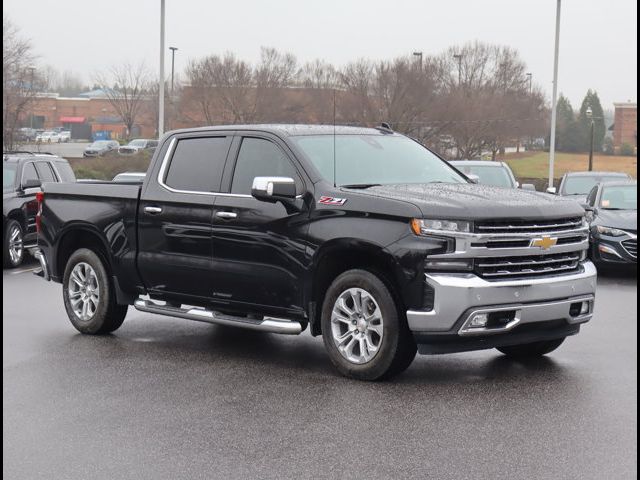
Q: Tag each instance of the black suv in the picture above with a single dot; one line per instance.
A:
(23, 174)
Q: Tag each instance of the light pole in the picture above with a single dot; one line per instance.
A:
(419, 55)
(161, 85)
(173, 57)
(458, 57)
(31, 69)
(591, 140)
(530, 77)
(554, 99)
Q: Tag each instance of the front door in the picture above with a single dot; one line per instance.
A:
(258, 247)
(175, 214)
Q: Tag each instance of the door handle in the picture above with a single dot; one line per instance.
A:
(227, 215)
(152, 210)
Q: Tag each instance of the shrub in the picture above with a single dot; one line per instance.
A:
(608, 147)
(627, 150)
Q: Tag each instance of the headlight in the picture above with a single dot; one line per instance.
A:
(425, 226)
(610, 231)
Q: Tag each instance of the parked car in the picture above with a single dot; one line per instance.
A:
(578, 184)
(23, 174)
(48, 136)
(99, 148)
(497, 174)
(613, 214)
(26, 134)
(135, 146)
(361, 235)
(130, 177)
(65, 136)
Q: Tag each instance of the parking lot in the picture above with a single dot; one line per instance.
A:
(165, 398)
(66, 150)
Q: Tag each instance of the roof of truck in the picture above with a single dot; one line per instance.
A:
(292, 130)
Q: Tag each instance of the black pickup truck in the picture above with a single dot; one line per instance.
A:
(362, 235)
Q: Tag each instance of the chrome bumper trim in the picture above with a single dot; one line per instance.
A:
(456, 294)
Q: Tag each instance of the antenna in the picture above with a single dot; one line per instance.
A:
(334, 139)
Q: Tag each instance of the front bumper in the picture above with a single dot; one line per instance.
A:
(459, 297)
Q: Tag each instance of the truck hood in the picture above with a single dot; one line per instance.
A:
(477, 202)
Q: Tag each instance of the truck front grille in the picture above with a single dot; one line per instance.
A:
(528, 226)
(631, 246)
(529, 266)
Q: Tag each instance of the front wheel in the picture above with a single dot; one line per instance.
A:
(13, 245)
(364, 331)
(89, 296)
(530, 350)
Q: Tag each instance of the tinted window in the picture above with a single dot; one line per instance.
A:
(29, 172)
(197, 164)
(260, 158)
(45, 172)
(65, 172)
(591, 199)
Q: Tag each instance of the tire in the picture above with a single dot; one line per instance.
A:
(13, 246)
(395, 349)
(531, 350)
(103, 314)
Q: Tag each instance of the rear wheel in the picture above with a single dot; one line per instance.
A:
(89, 295)
(364, 332)
(529, 350)
(13, 245)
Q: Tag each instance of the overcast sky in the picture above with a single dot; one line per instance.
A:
(598, 37)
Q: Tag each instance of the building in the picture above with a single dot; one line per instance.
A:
(88, 116)
(625, 126)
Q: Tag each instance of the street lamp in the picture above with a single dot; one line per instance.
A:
(173, 56)
(458, 57)
(419, 55)
(32, 69)
(590, 117)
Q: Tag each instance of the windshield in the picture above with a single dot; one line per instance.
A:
(620, 197)
(374, 159)
(9, 176)
(582, 185)
(137, 143)
(99, 143)
(496, 176)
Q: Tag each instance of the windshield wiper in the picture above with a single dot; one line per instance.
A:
(361, 185)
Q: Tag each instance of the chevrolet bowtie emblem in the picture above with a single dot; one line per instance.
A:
(545, 243)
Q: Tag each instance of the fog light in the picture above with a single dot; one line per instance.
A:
(479, 320)
(585, 308)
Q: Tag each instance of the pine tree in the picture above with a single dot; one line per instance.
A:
(592, 100)
(567, 134)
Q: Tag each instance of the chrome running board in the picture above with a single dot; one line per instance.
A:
(268, 324)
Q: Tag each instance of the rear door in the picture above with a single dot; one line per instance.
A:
(29, 204)
(175, 214)
(258, 247)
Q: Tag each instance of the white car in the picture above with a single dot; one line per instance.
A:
(135, 146)
(48, 137)
(65, 135)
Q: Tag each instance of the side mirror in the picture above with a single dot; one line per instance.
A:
(552, 190)
(272, 189)
(31, 183)
(529, 187)
(475, 179)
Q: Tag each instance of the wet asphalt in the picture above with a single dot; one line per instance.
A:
(168, 399)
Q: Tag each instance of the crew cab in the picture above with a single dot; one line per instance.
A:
(23, 173)
(360, 235)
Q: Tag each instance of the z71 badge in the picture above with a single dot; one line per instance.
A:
(332, 201)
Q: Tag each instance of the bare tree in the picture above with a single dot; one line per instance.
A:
(20, 81)
(126, 87)
(275, 72)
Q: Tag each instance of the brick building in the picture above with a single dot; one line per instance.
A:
(625, 127)
(85, 116)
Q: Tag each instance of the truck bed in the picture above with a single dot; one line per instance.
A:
(105, 209)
